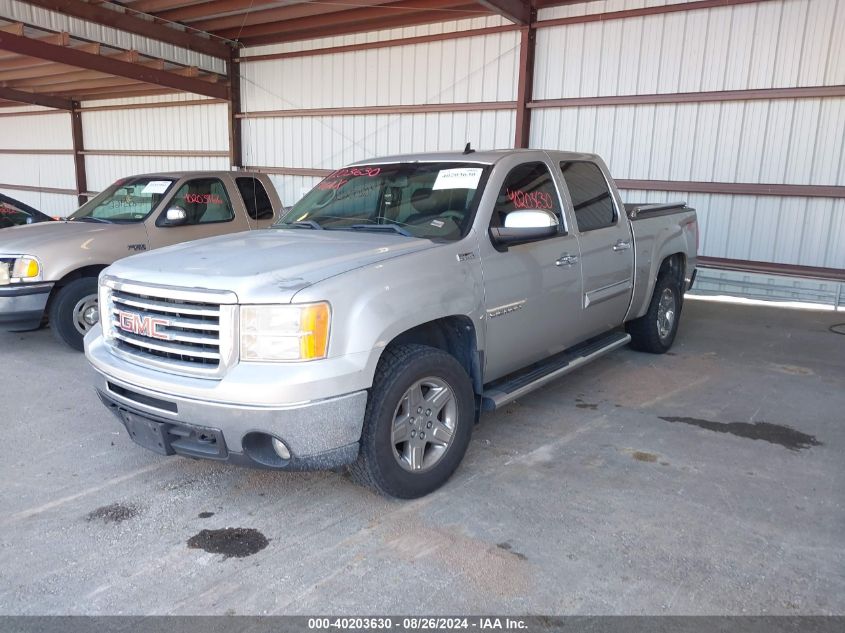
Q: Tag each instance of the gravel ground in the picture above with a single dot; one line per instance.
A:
(707, 481)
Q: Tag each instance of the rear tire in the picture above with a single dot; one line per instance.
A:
(418, 422)
(73, 311)
(655, 331)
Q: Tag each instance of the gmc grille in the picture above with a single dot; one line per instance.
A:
(178, 334)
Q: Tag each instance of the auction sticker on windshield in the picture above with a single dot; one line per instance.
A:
(156, 186)
(458, 178)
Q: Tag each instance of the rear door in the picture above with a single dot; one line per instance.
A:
(532, 291)
(607, 253)
(209, 208)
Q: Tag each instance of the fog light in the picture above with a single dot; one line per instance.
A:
(280, 448)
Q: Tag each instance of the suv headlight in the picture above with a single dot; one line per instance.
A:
(285, 332)
(19, 268)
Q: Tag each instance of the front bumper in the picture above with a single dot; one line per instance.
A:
(321, 434)
(22, 305)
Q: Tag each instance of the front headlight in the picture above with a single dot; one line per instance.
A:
(19, 268)
(106, 306)
(285, 332)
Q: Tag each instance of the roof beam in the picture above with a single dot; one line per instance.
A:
(10, 94)
(111, 66)
(518, 11)
(344, 28)
(277, 14)
(134, 24)
(154, 6)
(391, 12)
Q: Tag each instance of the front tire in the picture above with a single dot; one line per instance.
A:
(73, 311)
(655, 331)
(417, 424)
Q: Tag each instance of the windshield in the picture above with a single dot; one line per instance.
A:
(127, 200)
(427, 200)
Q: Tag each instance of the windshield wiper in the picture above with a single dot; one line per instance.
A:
(305, 224)
(393, 228)
(88, 218)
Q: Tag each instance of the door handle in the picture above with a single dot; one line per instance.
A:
(566, 260)
(622, 245)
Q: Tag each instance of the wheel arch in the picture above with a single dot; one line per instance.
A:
(92, 270)
(454, 335)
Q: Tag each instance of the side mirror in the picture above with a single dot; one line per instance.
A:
(176, 216)
(525, 226)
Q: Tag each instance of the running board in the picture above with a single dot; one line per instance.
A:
(502, 391)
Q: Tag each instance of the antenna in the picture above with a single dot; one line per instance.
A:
(468, 149)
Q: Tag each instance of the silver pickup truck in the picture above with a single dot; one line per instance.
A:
(48, 271)
(393, 304)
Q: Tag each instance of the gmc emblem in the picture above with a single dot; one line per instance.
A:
(142, 325)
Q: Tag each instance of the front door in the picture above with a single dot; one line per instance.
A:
(607, 253)
(533, 290)
(209, 212)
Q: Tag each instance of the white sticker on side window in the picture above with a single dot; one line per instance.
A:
(156, 186)
(458, 178)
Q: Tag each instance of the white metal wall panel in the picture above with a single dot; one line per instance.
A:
(772, 44)
(783, 229)
(41, 131)
(794, 141)
(53, 204)
(54, 21)
(186, 127)
(423, 73)
(329, 142)
(292, 188)
(417, 74)
(104, 170)
(44, 170)
(180, 127)
(37, 132)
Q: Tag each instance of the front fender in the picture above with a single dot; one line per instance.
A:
(373, 305)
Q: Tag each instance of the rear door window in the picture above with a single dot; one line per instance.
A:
(591, 197)
(255, 198)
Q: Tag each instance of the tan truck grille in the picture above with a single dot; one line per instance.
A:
(181, 331)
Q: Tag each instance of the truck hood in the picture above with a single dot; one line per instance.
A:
(265, 266)
(41, 238)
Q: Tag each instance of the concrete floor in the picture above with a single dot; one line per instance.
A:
(580, 499)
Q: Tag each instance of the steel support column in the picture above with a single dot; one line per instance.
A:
(235, 145)
(525, 83)
(78, 156)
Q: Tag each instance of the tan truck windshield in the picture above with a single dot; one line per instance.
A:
(129, 200)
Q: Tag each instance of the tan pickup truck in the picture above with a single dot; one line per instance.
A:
(48, 271)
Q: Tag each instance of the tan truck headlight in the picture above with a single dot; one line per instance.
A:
(285, 332)
(19, 268)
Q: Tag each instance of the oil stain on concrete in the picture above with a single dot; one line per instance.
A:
(642, 456)
(113, 513)
(231, 542)
(509, 548)
(773, 433)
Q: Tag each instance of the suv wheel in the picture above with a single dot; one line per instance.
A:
(418, 422)
(73, 311)
(654, 332)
